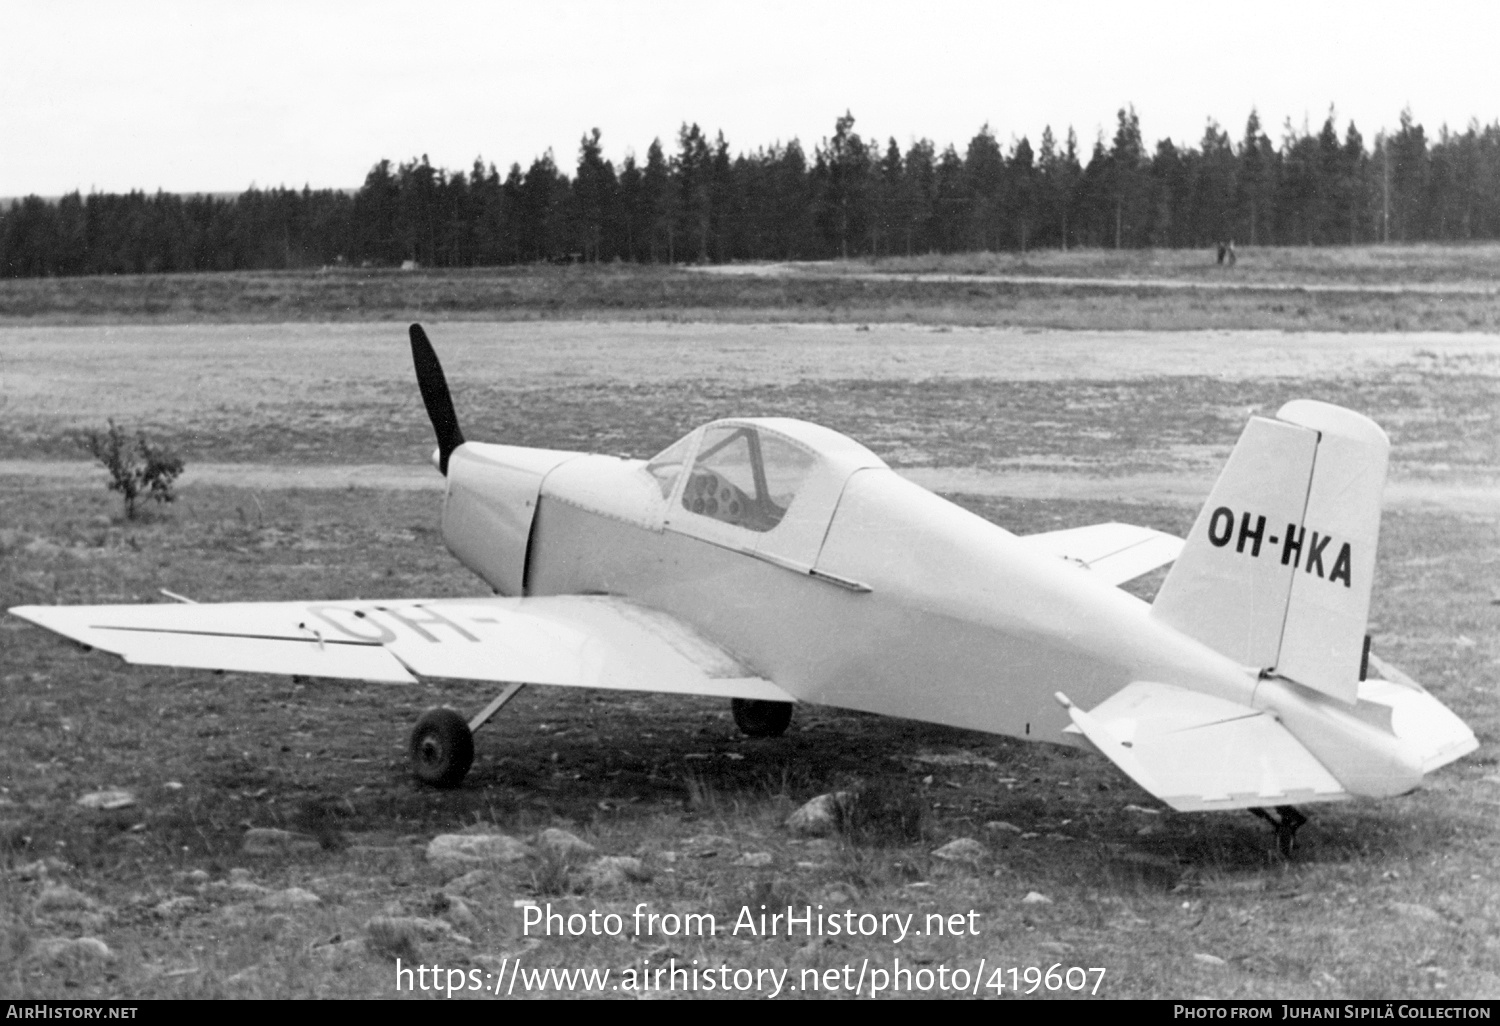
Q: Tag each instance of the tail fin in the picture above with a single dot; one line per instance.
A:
(1276, 572)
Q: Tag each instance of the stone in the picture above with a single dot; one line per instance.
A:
(271, 841)
(561, 842)
(173, 906)
(61, 897)
(113, 798)
(469, 881)
(1036, 898)
(1206, 959)
(961, 849)
(388, 930)
(463, 852)
(41, 869)
(615, 870)
(819, 817)
(339, 950)
(458, 913)
(291, 897)
(1000, 826)
(63, 949)
(755, 859)
(1421, 913)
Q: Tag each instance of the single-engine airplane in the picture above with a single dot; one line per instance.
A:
(772, 561)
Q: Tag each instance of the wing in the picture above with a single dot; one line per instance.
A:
(1116, 552)
(580, 641)
(1197, 752)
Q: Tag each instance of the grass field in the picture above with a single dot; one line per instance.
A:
(1382, 900)
(1402, 288)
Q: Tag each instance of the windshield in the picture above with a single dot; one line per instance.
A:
(745, 477)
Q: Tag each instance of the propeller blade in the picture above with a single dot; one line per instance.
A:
(435, 395)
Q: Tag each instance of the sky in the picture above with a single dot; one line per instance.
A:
(219, 96)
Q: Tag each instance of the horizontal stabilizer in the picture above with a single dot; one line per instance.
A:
(1116, 553)
(1196, 752)
(1426, 728)
(579, 641)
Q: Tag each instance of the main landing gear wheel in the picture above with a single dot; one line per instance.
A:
(442, 748)
(1285, 826)
(759, 718)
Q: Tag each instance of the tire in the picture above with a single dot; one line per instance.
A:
(441, 749)
(758, 718)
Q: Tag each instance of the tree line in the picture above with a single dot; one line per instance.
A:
(850, 197)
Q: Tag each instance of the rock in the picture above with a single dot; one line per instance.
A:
(1207, 959)
(755, 859)
(998, 826)
(195, 876)
(458, 913)
(1056, 947)
(173, 906)
(819, 817)
(961, 849)
(237, 888)
(81, 949)
(41, 869)
(338, 950)
(1422, 913)
(246, 977)
(113, 798)
(702, 846)
(469, 881)
(387, 931)
(561, 842)
(292, 897)
(460, 853)
(61, 897)
(1036, 898)
(271, 841)
(614, 870)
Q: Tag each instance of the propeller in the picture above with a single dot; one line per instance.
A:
(435, 395)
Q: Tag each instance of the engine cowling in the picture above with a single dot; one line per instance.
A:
(490, 505)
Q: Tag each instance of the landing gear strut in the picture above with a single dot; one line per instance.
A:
(1285, 826)
(442, 743)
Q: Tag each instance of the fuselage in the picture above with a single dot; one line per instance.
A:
(859, 589)
(893, 600)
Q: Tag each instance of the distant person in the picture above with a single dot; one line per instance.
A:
(1222, 249)
(1231, 257)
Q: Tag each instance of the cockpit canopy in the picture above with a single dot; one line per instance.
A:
(741, 475)
(759, 475)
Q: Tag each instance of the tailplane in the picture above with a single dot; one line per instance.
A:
(1277, 570)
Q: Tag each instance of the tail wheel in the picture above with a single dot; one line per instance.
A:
(442, 748)
(759, 718)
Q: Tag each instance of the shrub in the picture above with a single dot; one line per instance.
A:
(137, 468)
(882, 812)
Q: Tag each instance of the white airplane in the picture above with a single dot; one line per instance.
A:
(771, 561)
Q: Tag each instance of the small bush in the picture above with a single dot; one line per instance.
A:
(137, 468)
(554, 873)
(881, 812)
